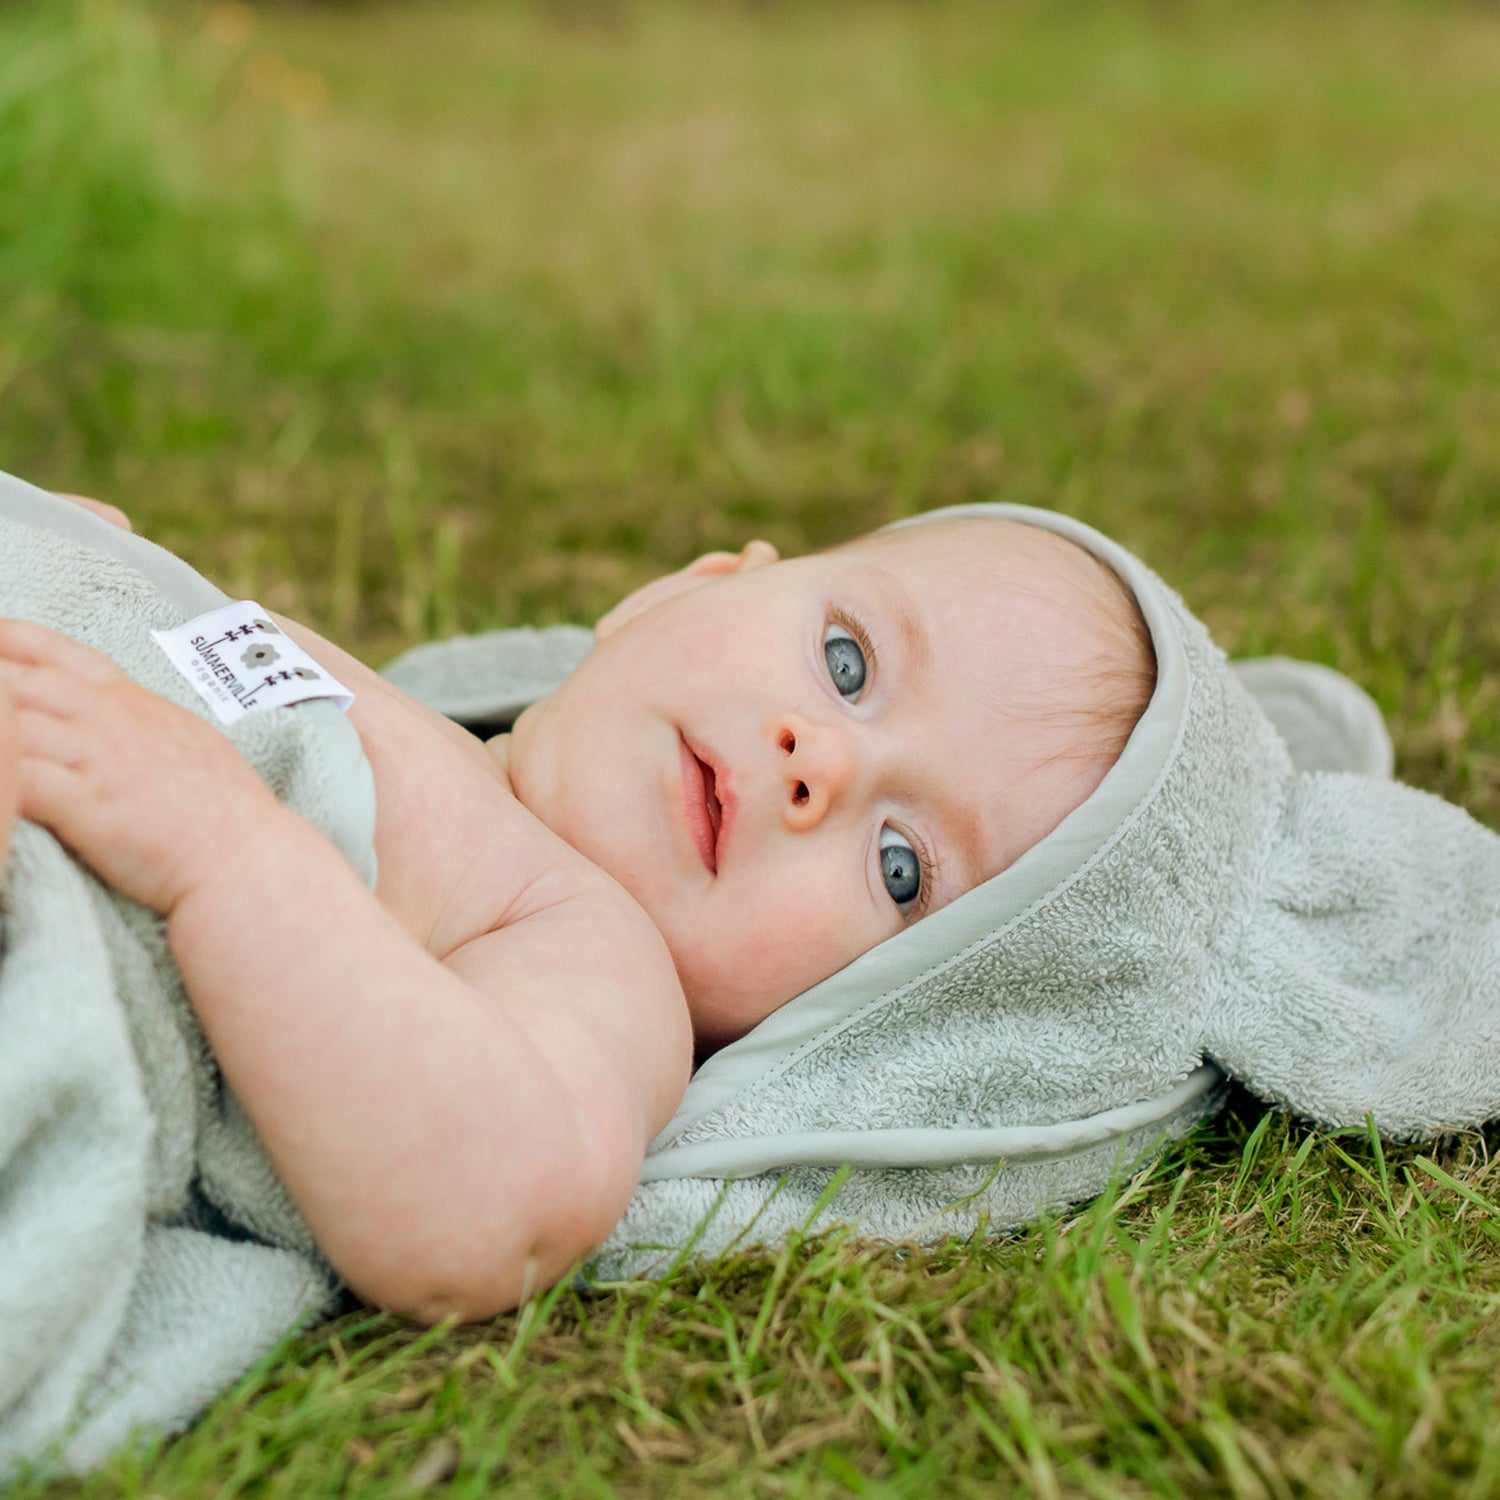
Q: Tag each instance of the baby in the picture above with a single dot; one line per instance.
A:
(764, 769)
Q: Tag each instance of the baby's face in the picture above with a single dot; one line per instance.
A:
(786, 763)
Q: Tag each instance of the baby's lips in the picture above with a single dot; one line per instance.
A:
(696, 775)
(718, 801)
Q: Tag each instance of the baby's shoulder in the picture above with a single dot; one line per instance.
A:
(498, 897)
(575, 951)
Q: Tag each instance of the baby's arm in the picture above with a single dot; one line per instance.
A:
(455, 1135)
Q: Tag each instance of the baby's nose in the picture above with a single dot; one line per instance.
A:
(816, 769)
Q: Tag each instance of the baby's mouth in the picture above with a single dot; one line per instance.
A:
(705, 813)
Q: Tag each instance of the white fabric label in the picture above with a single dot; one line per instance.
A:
(238, 661)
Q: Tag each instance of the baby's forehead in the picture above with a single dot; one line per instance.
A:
(1027, 589)
(990, 552)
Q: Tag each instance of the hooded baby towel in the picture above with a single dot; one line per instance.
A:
(1245, 894)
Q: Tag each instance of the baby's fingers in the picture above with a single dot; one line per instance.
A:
(111, 513)
(30, 644)
(46, 690)
(49, 781)
(46, 736)
(57, 727)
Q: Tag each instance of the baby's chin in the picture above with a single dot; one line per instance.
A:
(724, 1008)
(720, 1013)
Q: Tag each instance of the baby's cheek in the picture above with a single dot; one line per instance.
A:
(746, 652)
(805, 943)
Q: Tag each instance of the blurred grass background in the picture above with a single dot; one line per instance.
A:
(428, 317)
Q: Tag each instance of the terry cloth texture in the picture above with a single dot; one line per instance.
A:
(148, 1252)
(1244, 894)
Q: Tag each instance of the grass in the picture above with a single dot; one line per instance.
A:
(1269, 1313)
(416, 318)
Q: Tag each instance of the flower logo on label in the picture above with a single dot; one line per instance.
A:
(260, 656)
(265, 625)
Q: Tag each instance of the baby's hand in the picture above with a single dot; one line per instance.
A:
(146, 793)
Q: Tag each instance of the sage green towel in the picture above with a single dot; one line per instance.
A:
(130, 1179)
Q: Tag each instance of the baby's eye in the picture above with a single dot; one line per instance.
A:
(899, 867)
(846, 661)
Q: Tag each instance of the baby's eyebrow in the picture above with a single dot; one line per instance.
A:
(964, 822)
(903, 612)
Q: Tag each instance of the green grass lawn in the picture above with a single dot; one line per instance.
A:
(417, 318)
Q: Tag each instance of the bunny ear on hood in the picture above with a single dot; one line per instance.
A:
(1366, 978)
(1243, 894)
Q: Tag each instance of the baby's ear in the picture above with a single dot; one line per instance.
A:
(700, 571)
